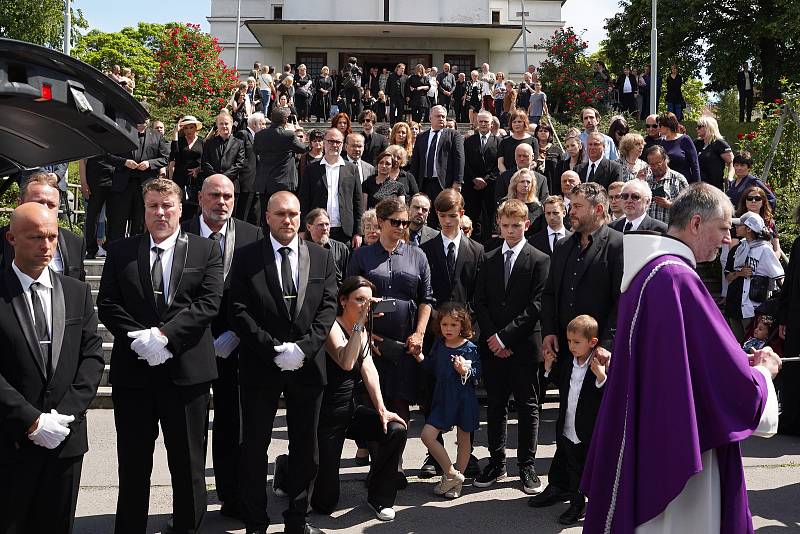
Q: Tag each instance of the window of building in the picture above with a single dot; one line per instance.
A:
(277, 12)
(495, 17)
(460, 63)
(314, 61)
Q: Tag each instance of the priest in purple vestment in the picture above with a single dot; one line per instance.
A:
(681, 395)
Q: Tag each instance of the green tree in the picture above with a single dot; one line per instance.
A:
(39, 21)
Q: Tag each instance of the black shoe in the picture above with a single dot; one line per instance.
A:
(573, 514)
(362, 461)
(231, 509)
(530, 481)
(473, 467)
(91, 255)
(490, 474)
(550, 496)
(256, 531)
(306, 529)
(430, 468)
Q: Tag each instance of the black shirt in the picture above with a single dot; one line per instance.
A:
(341, 383)
(509, 145)
(712, 166)
(570, 279)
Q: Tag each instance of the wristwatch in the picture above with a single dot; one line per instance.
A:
(358, 327)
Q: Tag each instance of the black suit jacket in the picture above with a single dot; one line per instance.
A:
(230, 162)
(599, 281)
(426, 233)
(247, 174)
(468, 264)
(449, 158)
(260, 317)
(374, 144)
(238, 234)
(126, 303)
(605, 173)
(740, 81)
(277, 169)
(155, 151)
(541, 239)
(72, 248)
(588, 399)
(648, 224)
(512, 312)
(481, 164)
(314, 194)
(77, 365)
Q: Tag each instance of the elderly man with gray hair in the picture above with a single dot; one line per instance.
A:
(636, 198)
(248, 205)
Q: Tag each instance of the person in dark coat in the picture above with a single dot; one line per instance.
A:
(789, 330)
(276, 147)
(224, 153)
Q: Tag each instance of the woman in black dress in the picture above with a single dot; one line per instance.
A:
(714, 154)
(518, 120)
(185, 163)
(417, 87)
(323, 86)
(303, 93)
(383, 185)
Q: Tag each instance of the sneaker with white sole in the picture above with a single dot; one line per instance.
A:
(455, 492)
(448, 482)
(382, 513)
(490, 474)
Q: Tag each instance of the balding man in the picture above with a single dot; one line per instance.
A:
(354, 151)
(598, 168)
(216, 222)
(41, 188)
(51, 366)
(283, 304)
(224, 153)
(480, 172)
(334, 185)
(248, 207)
(636, 198)
(523, 156)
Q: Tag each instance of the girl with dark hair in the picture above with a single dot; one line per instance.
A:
(679, 148)
(754, 200)
(742, 179)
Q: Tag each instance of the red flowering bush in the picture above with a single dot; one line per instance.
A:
(567, 74)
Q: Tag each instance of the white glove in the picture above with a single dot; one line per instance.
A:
(157, 358)
(290, 357)
(51, 430)
(226, 343)
(151, 346)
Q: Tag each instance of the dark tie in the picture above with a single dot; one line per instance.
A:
(591, 173)
(40, 326)
(216, 236)
(507, 267)
(287, 280)
(430, 157)
(157, 277)
(223, 143)
(555, 237)
(628, 226)
(451, 261)
(483, 143)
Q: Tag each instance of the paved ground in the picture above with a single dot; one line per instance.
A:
(772, 470)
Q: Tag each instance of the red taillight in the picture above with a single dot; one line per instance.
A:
(47, 92)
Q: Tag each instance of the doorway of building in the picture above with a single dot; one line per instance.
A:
(368, 60)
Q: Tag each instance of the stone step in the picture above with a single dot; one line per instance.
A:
(94, 297)
(107, 347)
(107, 336)
(104, 378)
(93, 280)
(94, 267)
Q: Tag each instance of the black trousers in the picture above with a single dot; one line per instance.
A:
(126, 206)
(567, 467)
(432, 188)
(248, 208)
(461, 110)
(225, 438)
(259, 406)
(94, 205)
(627, 102)
(38, 492)
(396, 110)
(361, 423)
(182, 412)
(745, 105)
(503, 378)
(480, 207)
(419, 114)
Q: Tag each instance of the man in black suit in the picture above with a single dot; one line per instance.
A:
(585, 274)
(333, 174)
(523, 157)
(374, 143)
(276, 147)
(396, 92)
(158, 295)
(354, 152)
(132, 170)
(744, 84)
(636, 198)
(215, 222)
(508, 305)
(224, 153)
(480, 172)
(418, 229)
(446, 82)
(51, 366)
(599, 168)
(283, 304)
(96, 175)
(40, 188)
(438, 159)
(545, 239)
(248, 205)
(318, 228)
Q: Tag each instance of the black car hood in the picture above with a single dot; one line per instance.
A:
(55, 109)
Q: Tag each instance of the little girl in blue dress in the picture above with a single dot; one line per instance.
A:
(456, 363)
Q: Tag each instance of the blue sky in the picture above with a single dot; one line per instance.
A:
(112, 16)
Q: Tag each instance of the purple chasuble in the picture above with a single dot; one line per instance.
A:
(679, 385)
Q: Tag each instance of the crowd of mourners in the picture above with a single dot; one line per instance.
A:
(362, 273)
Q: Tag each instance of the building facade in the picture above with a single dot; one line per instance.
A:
(382, 33)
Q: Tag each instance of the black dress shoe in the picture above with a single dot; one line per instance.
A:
(573, 514)
(550, 496)
(429, 468)
(305, 529)
(402, 481)
(362, 461)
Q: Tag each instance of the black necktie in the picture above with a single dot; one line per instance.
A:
(483, 143)
(555, 236)
(591, 173)
(430, 157)
(507, 267)
(628, 226)
(40, 326)
(287, 280)
(451, 260)
(157, 277)
(216, 236)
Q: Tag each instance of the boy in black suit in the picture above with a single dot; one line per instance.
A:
(546, 238)
(577, 412)
(508, 301)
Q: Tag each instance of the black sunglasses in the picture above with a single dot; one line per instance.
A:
(754, 199)
(652, 125)
(399, 223)
(632, 196)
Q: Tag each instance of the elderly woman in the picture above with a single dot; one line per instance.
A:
(403, 173)
(679, 147)
(303, 92)
(417, 87)
(518, 121)
(323, 87)
(523, 187)
(383, 184)
(241, 107)
(184, 166)
(630, 150)
(713, 152)
(369, 227)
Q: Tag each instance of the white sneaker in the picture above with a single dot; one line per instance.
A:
(383, 514)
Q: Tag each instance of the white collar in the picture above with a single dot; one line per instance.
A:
(168, 243)
(338, 163)
(293, 245)
(516, 248)
(640, 249)
(26, 281)
(581, 365)
(447, 240)
(637, 221)
(596, 163)
(561, 231)
(205, 231)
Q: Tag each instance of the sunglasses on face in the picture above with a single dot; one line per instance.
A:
(399, 223)
(756, 198)
(652, 125)
(367, 120)
(633, 196)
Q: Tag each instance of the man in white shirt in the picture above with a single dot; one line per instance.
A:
(598, 167)
(354, 146)
(636, 198)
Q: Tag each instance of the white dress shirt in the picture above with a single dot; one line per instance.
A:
(332, 175)
(360, 168)
(57, 263)
(634, 222)
(205, 231)
(555, 235)
(575, 384)
(446, 240)
(168, 247)
(44, 292)
(293, 259)
(435, 150)
(626, 87)
(516, 248)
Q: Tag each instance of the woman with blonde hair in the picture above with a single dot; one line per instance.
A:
(401, 135)
(522, 187)
(714, 154)
(631, 146)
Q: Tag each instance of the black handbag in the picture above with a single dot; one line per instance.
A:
(759, 288)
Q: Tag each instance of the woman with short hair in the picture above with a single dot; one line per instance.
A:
(679, 148)
(518, 125)
(630, 150)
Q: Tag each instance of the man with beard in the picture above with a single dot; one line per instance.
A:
(419, 231)
(318, 228)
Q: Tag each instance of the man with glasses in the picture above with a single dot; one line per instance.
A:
(665, 183)
(354, 150)
(636, 198)
(652, 135)
(335, 185)
(374, 143)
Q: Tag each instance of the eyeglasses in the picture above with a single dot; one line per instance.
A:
(366, 120)
(334, 142)
(612, 197)
(651, 125)
(633, 196)
(399, 223)
(754, 199)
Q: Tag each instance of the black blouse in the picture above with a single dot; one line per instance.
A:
(185, 158)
